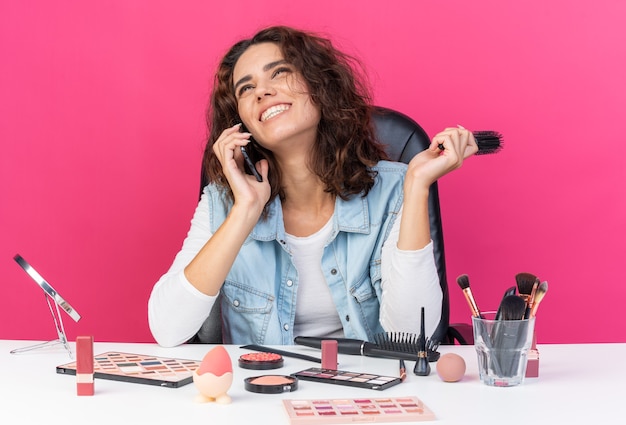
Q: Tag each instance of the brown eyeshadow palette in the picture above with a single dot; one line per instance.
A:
(338, 411)
(352, 379)
(139, 368)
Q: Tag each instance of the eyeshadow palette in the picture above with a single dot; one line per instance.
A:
(352, 379)
(139, 368)
(337, 411)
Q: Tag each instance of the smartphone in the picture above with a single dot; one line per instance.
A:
(250, 165)
(250, 168)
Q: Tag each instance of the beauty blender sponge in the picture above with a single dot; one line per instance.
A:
(214, 376)
(450, 367)
(216, 361)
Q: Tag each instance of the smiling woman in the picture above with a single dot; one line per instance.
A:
(287, 118)
(334, 240)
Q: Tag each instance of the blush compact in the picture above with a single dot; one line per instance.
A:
(271, 384)
(260, 361)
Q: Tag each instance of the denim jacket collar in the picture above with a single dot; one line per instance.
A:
(350, 215)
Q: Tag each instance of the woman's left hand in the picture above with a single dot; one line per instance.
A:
(431, 164)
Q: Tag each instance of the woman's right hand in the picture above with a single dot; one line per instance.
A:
(211, 264)
(247, 191)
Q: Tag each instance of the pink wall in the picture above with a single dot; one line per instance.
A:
(101, 132)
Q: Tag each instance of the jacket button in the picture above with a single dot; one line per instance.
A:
(286, 327)
(333, 272)
(236, 303)
(290, 282)
(347, 317)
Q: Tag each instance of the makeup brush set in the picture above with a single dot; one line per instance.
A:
(508, 328)
(520, 301)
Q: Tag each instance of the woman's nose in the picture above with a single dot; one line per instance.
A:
(265, 89)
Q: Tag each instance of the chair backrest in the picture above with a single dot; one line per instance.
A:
(403, 139)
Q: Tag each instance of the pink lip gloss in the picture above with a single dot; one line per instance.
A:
(84, 365)
(329, 354)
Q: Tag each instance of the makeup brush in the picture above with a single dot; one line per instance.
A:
(505, 336)
(512, 307)
(422, 367)
(464, 284)
(525, 282)
(531, 299)
(487, 141)
(539, 295)
(402, 370)
(511, 291)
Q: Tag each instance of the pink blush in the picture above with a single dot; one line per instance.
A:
(272, 380)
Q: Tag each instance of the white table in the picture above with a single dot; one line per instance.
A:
(577, 384)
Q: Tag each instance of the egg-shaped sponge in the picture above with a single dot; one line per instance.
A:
(216, 361)
(214, 376)
(451, 367)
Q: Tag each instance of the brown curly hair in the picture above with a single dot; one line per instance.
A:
(346, 146)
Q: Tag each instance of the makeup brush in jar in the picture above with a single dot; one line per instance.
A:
(464, 284)
(508, 332)
(525, 283)
(510, 291)
(539, 296)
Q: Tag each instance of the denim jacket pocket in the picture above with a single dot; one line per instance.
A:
(246, 312)
(367, 306)
(362, 291)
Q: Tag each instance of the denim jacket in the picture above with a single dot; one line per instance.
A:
(259, 293)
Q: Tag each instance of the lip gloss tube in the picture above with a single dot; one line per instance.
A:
(84, 365)
(329, 354)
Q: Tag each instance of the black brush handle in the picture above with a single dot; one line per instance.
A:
(344, 345)
(510, 340)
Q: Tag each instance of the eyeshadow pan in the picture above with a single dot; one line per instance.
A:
(305, 414)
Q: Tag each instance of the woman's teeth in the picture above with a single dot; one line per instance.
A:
(273, 111)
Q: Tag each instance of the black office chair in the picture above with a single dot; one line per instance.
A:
(404, 138)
